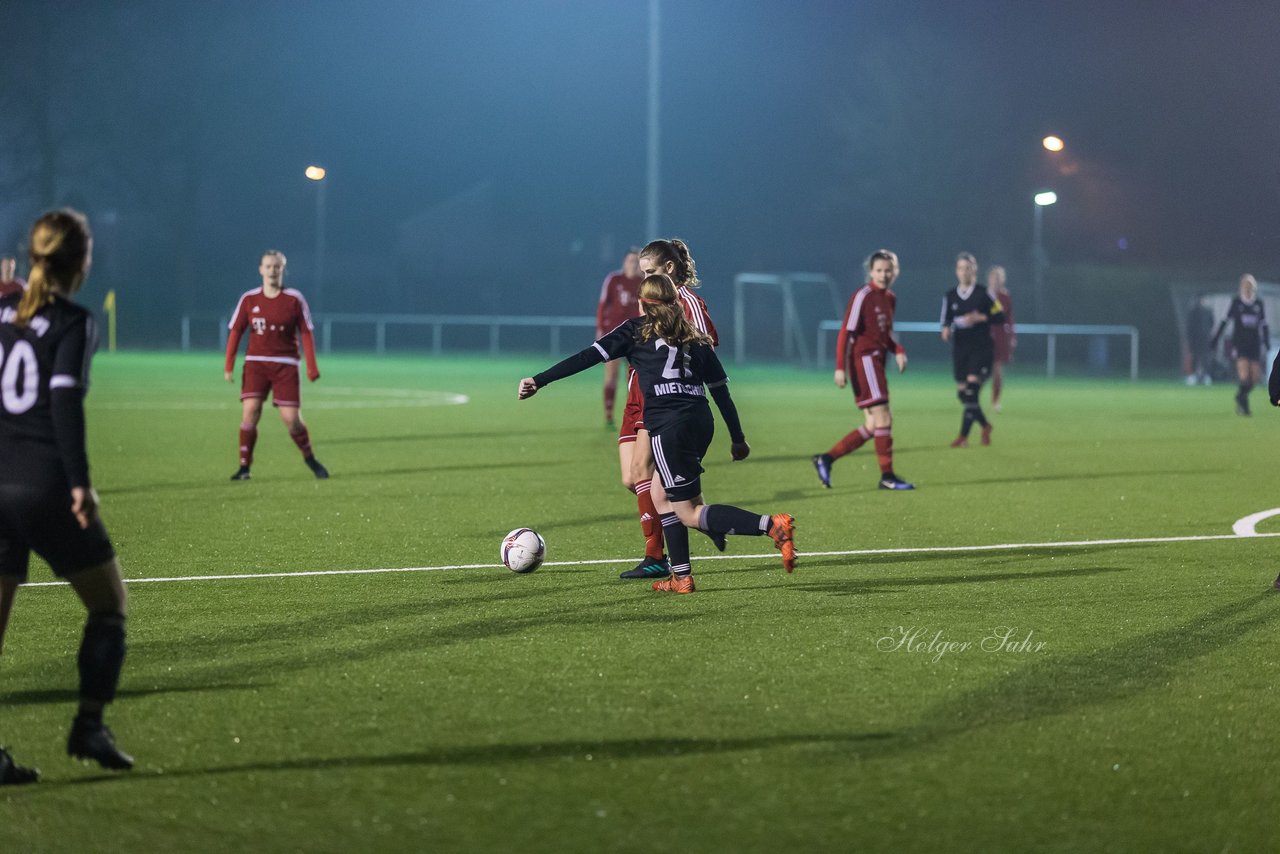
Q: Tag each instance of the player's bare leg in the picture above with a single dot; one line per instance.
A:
(292, 418)
(638, 468)
(101, 589)
(250, 414)
(1248, 372)
(997, 384)
(610, 392)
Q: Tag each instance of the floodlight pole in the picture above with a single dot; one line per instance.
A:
(651, 219)
(320, 245)
(1037, 260)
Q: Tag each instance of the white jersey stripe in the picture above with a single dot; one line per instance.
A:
(63, 381)
(600, 350)
(869, 368)
(661, 461)
(283, 360)
(856, 311)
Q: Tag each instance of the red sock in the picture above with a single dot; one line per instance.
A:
(849, 443)
(650, 523)
(884, 449)
(248, 438)
(995, 389)
(303, 440)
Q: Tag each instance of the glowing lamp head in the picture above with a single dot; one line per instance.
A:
(315, 173)
(1046, 198)
(1053, 143)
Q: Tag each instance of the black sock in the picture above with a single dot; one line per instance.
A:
(973, 390)
(727, 519)
(677, 537)
(101, 657)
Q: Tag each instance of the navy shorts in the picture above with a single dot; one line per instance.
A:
(678, 451)
(972, 361)
(38, 519)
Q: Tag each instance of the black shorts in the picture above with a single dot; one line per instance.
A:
(38, 518)
(972, 361)
(1248, 347)
(678, 451)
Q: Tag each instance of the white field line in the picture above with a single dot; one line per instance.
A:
(356, 398)
(767, 555)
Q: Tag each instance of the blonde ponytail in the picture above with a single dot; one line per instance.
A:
(60, 244)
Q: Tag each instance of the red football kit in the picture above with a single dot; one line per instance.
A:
(619, 302)
(633, 415)
(866, 338)
(275, 325)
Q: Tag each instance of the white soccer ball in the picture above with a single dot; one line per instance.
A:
(523, 550)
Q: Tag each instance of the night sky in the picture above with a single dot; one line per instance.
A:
(490, 155)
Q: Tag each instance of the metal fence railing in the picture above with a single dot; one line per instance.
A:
(1050, 331)
(490, 326)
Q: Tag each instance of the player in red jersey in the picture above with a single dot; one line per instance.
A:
(865, 341)
(276, 318)
(1004, 337)
(618, 303)
(9, 281)
(672, 258)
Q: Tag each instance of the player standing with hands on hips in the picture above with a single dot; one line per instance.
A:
(276, 317)
(47, 503)
(968, 312)
(676, 366)
(865, 341)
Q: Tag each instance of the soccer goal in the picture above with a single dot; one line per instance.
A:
(774, 315)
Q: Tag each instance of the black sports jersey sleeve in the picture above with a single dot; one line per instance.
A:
(717, 382)
(615, 345)
(67, 387)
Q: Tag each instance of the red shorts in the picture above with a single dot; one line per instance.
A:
(633, 412)
(275, 377)
(870, 386)
(1000, 346)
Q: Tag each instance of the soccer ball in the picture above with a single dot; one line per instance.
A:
(523, 550)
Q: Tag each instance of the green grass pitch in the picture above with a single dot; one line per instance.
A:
(1133, 708)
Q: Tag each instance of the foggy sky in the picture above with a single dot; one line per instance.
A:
(795, 135)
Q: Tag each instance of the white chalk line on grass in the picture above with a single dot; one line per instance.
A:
(356, 398)
(607, 561)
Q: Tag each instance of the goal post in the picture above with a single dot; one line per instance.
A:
(777, 312)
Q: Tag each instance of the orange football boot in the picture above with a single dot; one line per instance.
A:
(675, 584)
(782, 528)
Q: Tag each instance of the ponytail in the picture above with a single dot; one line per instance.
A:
(60, 244)
(663, 316)
(676, 251)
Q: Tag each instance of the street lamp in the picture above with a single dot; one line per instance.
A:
(317, 174)
(1042, 200)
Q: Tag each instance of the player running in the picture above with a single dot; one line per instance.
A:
(1250, 339)
(865, 341)
(675, 366)
(671, 258)
(618, 302)
(276, 318)
(47, 503)
(968, 312)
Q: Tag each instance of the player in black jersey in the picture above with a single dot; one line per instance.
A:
(676, 367)
(47, 503)
(968, 311)
(1250, 339)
